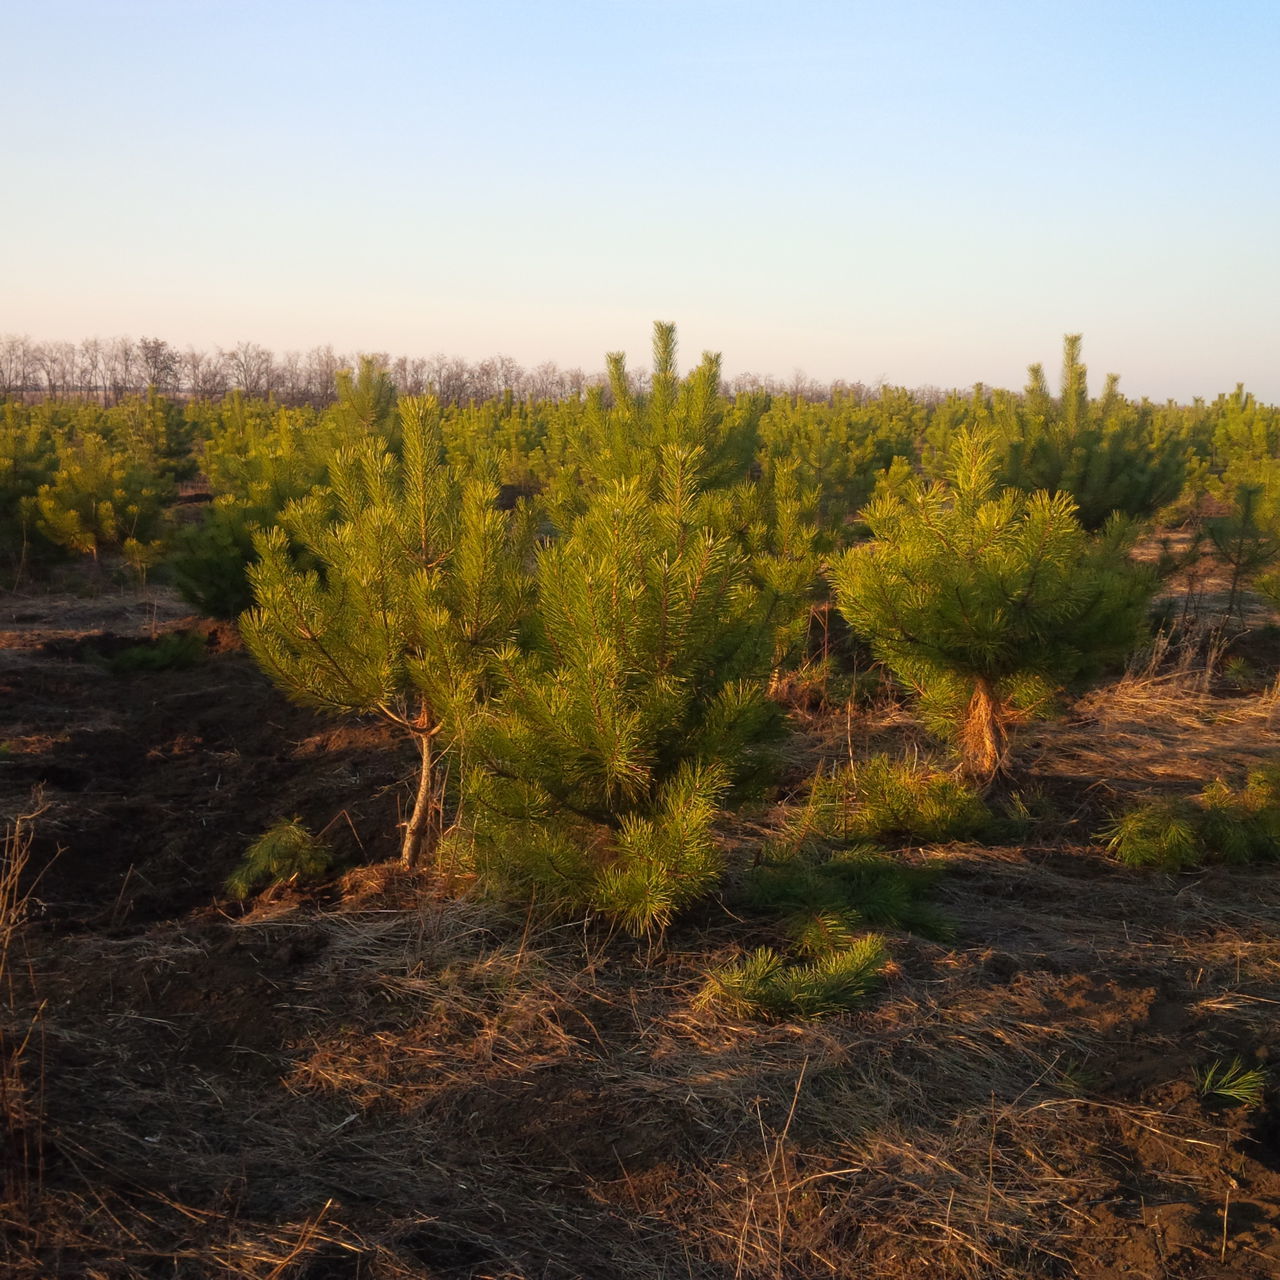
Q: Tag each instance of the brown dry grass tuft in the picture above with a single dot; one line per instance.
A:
(1163, 723)
(21, 1057)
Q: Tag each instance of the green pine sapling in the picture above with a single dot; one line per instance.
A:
(988, 601)
(420, 580)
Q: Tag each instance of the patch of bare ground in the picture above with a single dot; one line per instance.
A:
(155, 781)
(380, 1081)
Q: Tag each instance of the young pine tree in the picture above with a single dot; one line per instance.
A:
(988, 601)
(1247, 539)
(421, 580)
(1104, 453)
(97, 499)
(621, 435)
(639, 706)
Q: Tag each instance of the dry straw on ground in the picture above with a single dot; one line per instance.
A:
(386, 1084)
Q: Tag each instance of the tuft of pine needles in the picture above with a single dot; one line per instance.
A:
(1158, 833)
(884, 801)
(1221, 824)
(284, 854)
(763, 985)
(1231, 1082)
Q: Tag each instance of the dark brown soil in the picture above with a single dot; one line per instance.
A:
(373, 1080)
(156, 781)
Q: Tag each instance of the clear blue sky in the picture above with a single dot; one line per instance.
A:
(924, 191)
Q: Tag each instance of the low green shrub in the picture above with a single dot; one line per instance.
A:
(1157, 833)
(285, 853)
(885, 801)
(173, 651)
(764, 985)
(1221, 824)
(1243, 825)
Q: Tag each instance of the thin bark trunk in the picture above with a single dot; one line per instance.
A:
(983, 740)
(422, 831)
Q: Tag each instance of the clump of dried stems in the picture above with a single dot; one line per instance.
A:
(21, 1103)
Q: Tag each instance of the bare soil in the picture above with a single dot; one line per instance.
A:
(372, 1079)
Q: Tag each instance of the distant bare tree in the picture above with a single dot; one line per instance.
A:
(409, 375)
(322, 365)
(858, 392)
(15, 364)
(449, 378)
(56, 363)
(744, 383)
(251, 368)
(508, 375)
(204, 375)
(930, 395)
(291, 379)
(576, 382)
(803, 387)
(90, 375)
(545, 382)
(484, 382)
(160, 363)
(120, 370)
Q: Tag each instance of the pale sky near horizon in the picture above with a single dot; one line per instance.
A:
(919, 192)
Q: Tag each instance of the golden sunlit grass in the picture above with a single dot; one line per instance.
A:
(1162, 723)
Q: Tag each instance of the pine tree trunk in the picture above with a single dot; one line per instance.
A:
(422, 831)
(983, 741)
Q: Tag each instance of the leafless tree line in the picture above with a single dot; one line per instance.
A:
(107, 370)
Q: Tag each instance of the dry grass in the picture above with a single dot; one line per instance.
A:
(1164, 723)
(410, 1086)
(449, 1086)
(21, 1057)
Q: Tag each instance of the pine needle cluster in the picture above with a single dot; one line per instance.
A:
(886, 801)
(1232, 1082)
(284, 854)
(1221, 824)
(764, 985)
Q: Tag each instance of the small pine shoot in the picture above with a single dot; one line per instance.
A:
(1221, 824)
(765, 986)
(284, 854)
(822, 933)
(1231, 1082)
(1159, 833)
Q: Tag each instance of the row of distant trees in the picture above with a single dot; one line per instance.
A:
(109, 369)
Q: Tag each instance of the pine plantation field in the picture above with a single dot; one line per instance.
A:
(640, 830)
